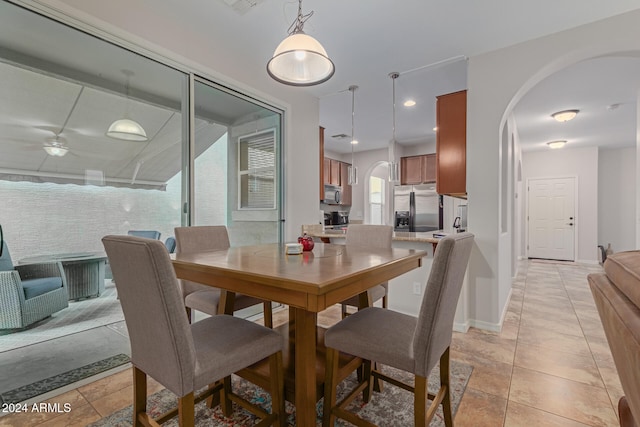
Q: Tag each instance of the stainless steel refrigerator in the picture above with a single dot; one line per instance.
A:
(417, 208)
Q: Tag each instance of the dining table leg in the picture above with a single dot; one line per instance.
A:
(305, 368)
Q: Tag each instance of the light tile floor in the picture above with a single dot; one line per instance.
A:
(550, 365)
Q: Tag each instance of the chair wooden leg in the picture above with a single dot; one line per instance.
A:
(384, 301)
(186, 411)
(330, 384)
(214, 399)
(344, 310)
(139, 395)
(225, 401)
(444, 382)
(268, 315)
(420, 402)
(276, 371)
(368, 378)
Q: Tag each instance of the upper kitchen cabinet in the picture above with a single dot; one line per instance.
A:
(332, 171)
(418, 169)
(451, 144)
(346, 188)
(323, 172)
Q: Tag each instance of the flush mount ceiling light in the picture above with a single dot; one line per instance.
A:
(556, 144)
(125, 128)
(300, 60)
(352, 170)
(55, 147)
(565, 115)
(409, 103)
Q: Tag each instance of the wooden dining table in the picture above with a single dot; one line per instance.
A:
(308, 283)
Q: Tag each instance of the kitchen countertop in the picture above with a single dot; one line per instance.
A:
(404, 236)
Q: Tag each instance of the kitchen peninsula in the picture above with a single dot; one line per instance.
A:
(405, 292)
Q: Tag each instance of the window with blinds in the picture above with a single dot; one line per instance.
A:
(257, 170)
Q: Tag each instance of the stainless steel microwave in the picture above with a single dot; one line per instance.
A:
(332, 194)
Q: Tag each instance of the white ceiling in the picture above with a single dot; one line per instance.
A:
(425, 41)
(369, 39)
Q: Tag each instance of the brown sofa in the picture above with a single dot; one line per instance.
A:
(617, 296)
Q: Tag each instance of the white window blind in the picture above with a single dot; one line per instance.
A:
(257, 170)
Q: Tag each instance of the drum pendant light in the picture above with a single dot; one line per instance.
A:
(125, 128)
(352, 169)
(300, 60)
(394, 166)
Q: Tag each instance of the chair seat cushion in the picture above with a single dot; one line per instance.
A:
(376, 293)
(206, 301)
(623, 269)
(225, 344)
(36, 287)
(360, 334)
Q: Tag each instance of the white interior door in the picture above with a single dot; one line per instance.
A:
(551, 218)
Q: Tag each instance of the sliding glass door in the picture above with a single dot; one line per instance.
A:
(237, 148)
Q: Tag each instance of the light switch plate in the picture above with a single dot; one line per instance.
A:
(417, 288)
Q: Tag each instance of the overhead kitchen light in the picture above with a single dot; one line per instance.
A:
(409, 103)
(54, 147)
(565, 115)
(394, 166)
(352, 170)
(125, 128)
(300, 60)
(556, 144)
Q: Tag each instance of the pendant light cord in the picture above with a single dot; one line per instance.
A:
(296, 26)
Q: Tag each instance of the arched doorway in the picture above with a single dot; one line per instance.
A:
(378, 194)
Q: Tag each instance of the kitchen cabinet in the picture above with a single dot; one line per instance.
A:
(451, 144)
(346, 188)
(336, 169)
(418, 169)
(322, 170)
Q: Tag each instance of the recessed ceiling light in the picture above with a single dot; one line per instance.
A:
(565, 115)
(435, 128)
(556, 144)
(409, 103)
(354, 142)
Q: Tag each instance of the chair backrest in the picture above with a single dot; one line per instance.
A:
(617, 297)
(5, 260)
(149, 234)
(435, 320)
(374, 236)
(170, 244)
(201, 238)
(160, 336)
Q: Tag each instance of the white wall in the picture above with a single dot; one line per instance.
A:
(616, 199)
(583, 164)
(496, 82)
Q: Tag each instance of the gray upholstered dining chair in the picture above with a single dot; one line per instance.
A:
(373, 236)
(185, 358)
(404, 342)
(205, 298)
(149, 234)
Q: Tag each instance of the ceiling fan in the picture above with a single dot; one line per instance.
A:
(55, 146)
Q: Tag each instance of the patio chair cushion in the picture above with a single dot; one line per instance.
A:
(36, 287)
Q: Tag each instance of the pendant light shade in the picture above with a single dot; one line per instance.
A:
(300, 60)
(127, 129)
(394, 166)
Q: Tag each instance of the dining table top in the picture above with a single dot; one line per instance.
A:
(322, 276)
(308, 283)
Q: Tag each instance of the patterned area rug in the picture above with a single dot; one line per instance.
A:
(44, 386)
(393, 407)
(79, 316)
